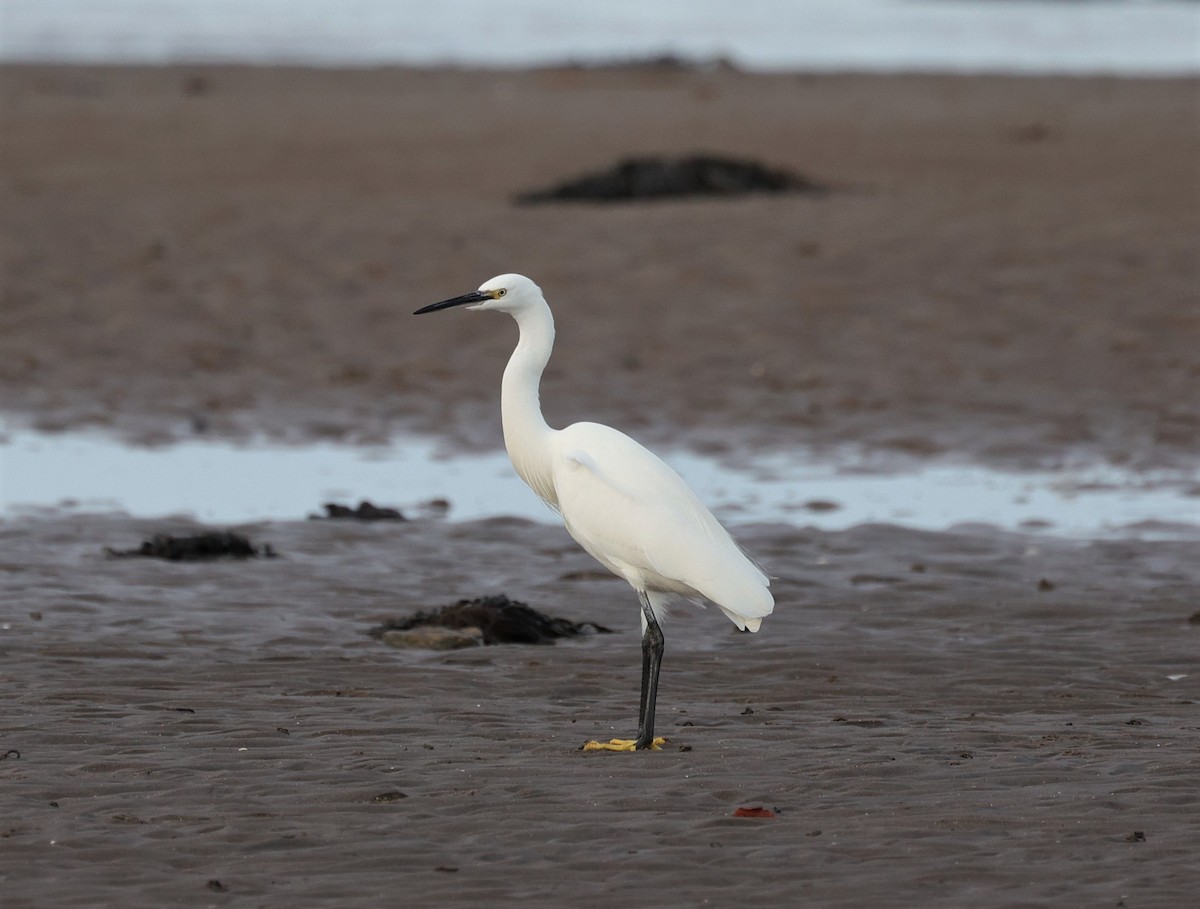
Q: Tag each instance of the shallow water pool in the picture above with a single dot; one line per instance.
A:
(228, 483)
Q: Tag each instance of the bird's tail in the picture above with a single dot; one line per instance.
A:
(660, 603)
(750, 605)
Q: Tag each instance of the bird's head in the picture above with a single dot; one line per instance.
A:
(504, 293)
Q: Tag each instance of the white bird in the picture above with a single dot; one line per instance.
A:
(622, 504)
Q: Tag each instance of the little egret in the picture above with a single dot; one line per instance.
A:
(623, 505)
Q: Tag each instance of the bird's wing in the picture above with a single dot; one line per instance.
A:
(638, 517)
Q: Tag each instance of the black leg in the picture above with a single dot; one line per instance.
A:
(652, 652)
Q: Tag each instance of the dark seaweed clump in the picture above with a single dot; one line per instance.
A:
(502, 621)
(661, 178)
(200, 548)
(364, 512)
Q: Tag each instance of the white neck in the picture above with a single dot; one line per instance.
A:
(526, 435)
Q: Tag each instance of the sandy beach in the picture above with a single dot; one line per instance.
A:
(1003, 270)
(1006, 268)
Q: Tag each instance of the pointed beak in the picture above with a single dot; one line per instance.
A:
(473, 297)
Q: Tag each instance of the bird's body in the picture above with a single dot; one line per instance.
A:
(621, 503)
(637, 517)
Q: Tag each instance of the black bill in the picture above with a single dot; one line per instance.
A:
(474, 296)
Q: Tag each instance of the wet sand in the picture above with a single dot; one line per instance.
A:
(923, 736)
(1006, 268)
(1005, 271)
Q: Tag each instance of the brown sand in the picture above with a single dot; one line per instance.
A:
(1008, 272)
(1011, 266)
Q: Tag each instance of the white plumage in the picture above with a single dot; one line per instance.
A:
(638, 518)
(621, 503)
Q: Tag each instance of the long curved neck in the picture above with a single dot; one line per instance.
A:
(526, 435)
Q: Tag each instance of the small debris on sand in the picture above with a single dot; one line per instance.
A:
(430, 637)
(757, 811)
(435, 507)
(495, 619)
(394, 795)
(200, 548)
(821, 505)
(651, 177)
(364, 512)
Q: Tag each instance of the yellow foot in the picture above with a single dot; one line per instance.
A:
(621, 745)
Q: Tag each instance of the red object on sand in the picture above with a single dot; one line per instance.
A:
(754, 812)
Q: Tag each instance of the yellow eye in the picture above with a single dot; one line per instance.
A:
(501, 292)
